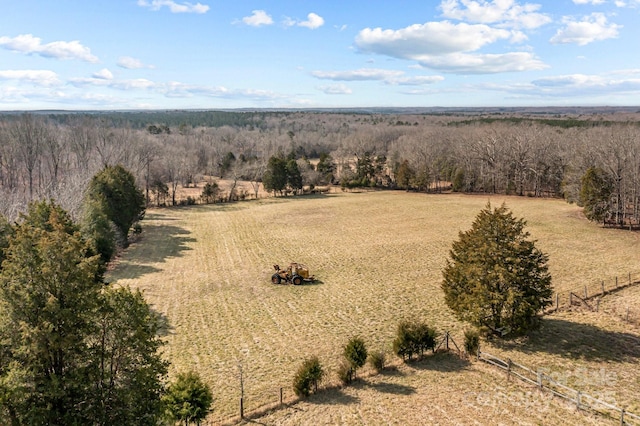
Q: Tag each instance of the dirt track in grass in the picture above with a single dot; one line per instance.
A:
(378, 258)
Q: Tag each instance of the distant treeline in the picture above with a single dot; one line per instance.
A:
(259, 118)
(565, 123)
(592, 159)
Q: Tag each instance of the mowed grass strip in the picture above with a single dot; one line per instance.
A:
(378, 258)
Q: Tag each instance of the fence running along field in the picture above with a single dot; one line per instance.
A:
(589, 296)
(284, 396)
(542, 381)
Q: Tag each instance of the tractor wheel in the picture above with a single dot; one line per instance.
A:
(297, 280)
(275, 278)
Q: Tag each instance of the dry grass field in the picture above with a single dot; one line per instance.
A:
(378, 258)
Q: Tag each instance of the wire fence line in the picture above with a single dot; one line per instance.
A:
(589, 296)
(542, 381)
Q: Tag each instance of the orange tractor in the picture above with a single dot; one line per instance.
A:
(296, 273)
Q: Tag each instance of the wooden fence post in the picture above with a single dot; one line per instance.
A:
(280, 396)
(578, 400)
(508, 369)
(478, 353)
(603, 287)
(557, 301)
(242, 407)
(539, 379)
(597, 304)
(627, 314)
(570, 298)
(622, 417)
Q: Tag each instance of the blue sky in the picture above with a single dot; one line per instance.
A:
(172, 54)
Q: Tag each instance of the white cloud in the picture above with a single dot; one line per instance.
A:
(363, 74)
(390, 77)
(38, 77)
(445, 46)
(582, 84)
(258, 18)
(27, 43)
(630, 3)
(103, 74)
(594, 2)
(507, 13)
(569, 80)
(135, 84)
(181, 90)
(335, 89)
(313, 21)
(131, 63)
(431, 38)
(416, 81)
(464, 63)
(174, 7)
(594, 27)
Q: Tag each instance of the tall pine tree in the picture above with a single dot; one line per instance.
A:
(495, 276)
(72, 351)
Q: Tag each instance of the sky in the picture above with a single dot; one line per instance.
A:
(215, 54)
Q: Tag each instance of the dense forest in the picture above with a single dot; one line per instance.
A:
(589, 158)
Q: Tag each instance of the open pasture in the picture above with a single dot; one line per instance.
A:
(378, 258)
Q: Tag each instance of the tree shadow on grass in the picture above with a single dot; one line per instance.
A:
(440, 361)
(164, 325)
(387, 387)
(332, 396)
(157, 243)
(577, 340)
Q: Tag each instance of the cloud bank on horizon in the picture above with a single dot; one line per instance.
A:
(168, 54)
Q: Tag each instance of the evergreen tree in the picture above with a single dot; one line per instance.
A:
(188, 399)
(71, 350)
(275, 177)
(413, 338)
(308, 376)
(326, 167)
(6, 230)
(595, 193)
(495, 277)
(209, 192)
(101, 233)
(294, 177)
(114, 190)
(48, 293)
(126, 369)
(356, 353)
(405, 175)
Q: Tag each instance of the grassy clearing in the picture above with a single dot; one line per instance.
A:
(378, 257)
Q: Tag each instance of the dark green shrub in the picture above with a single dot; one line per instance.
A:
(356, 353)
(471, 341)
(188, 399)
(307, 377)
(413, 339)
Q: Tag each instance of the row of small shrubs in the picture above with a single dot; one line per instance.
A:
(355, 354)
(412, 339)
